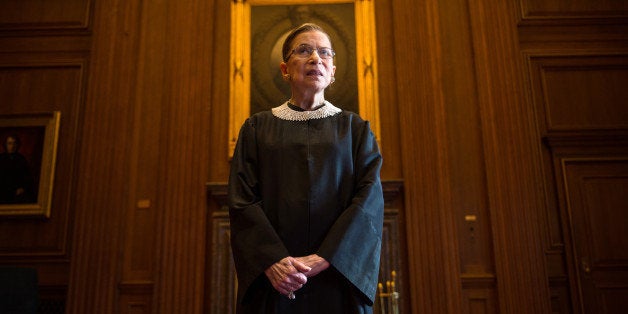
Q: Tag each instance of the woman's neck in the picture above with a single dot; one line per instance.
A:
(308, 103)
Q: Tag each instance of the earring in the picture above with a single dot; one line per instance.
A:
(286, 77)
(333, 79)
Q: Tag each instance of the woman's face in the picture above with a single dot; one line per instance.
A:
(311, 72)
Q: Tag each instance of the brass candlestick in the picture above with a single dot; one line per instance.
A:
(389, 299)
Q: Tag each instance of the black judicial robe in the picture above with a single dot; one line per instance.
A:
(306, 183)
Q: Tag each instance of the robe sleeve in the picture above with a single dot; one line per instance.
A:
(254, 242)
(353, 244)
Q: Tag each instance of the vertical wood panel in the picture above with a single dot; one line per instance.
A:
(183, 167)
(143, 218)
(101, 197)
(222, 287)
(464, 135)
(389, 102)
(467, 168)
(220, 79)
(512, 159)
(432, 252)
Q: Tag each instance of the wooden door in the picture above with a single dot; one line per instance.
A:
(577, 61)
(596, 202)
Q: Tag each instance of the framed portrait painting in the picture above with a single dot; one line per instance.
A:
(27, 163)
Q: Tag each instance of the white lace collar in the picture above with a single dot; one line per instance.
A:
(286, 113)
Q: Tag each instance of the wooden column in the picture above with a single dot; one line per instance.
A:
(432, 253)
(512, 158)
(100, 195)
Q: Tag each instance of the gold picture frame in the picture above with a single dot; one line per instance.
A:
(27, 163)
(363, 53)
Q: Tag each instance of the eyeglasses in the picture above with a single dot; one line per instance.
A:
(305, 51)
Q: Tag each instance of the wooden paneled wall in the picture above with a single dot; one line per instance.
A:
(484, 106)
(470, 154)
(44, 67)
(576, 53)
(132, 82)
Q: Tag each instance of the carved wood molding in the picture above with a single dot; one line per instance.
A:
(601, 138)
(45, 16)
(564, 10)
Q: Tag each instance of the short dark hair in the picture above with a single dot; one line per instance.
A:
(307, 27)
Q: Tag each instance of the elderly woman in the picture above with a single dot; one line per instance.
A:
(305, 197)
